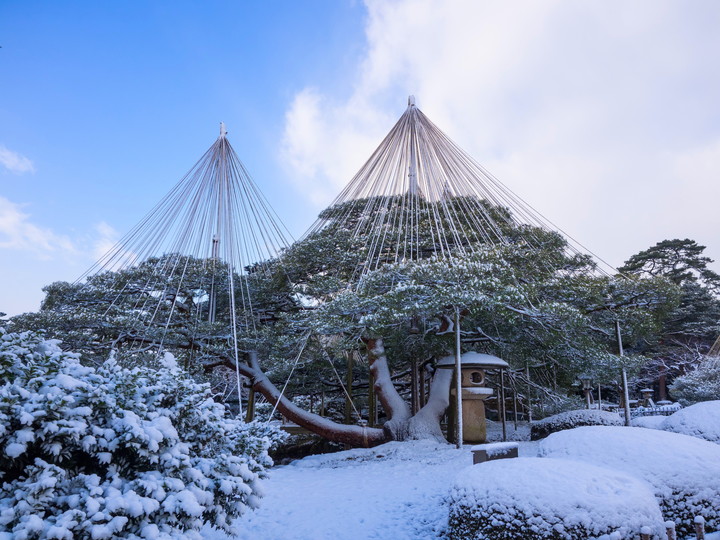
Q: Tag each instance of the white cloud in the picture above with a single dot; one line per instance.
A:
(106, 252)
(320, 142)
(603, 115)
(107, 237)
(19, 233)
(14, 162)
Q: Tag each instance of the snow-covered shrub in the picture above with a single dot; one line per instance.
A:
(573, 419)
(699, 420)
(650, 422)
(701, 384)
(684, 471)
(533, 499)
(115, 452)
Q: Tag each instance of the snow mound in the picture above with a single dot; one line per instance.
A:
(394, 451)
(684, 471)
(533, 498)
(573, 419)
(650, 422)
(700, 420)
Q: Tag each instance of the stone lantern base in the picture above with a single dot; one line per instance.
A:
(473, 413)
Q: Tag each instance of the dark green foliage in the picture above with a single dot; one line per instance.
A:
(475, 523)
(528, 299)
(680, 261)
(690, 328)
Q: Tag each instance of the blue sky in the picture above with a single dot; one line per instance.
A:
(112, 102)
(604, 116)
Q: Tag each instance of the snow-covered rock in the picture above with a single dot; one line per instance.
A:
(572, 419)
(114, 452)
(533, 499)
(684, 471)
(699, 420)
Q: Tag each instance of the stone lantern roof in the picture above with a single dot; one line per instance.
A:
(474, 359)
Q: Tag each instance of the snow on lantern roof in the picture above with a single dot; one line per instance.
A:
(474, 359)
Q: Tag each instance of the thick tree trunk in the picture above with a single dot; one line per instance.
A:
(401, 424)
(426, 423)
(352, 435)
(396, 408)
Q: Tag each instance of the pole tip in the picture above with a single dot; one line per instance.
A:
(223, 131)
(411, 101)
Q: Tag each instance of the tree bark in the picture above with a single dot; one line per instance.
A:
(426, 423)
(353, 435)
(396, 408)
(401, 424)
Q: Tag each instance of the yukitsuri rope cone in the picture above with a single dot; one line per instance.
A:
(419, 195)
(187, 265)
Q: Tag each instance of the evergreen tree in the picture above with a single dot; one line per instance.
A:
(692, 326)
(529, 300)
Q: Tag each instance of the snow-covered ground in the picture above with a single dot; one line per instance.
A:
(394, 491)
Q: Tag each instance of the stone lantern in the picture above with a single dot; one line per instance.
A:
(647, 397)
(474, 391)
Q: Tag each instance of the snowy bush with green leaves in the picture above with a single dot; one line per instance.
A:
(701, 384)
(571, 420)
(115, 452)
(549, 499)
(683, 471)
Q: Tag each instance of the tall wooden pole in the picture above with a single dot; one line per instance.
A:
(250, 413)
(348, 385)
(458, 381)
(529, 399)
(213, 294)
(372, 403)
(502, 404)
(626, 393)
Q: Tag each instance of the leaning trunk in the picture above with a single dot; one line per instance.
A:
(401, 424)
(426, 423)
(396, 408)
(352, 435)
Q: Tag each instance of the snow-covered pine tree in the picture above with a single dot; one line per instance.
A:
(690, 328)
(532, 304)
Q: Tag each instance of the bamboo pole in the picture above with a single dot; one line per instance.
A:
(502, 404)
(529, 399)
(626, 393)
(372, 402)
(458, 381)
(348, 385)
